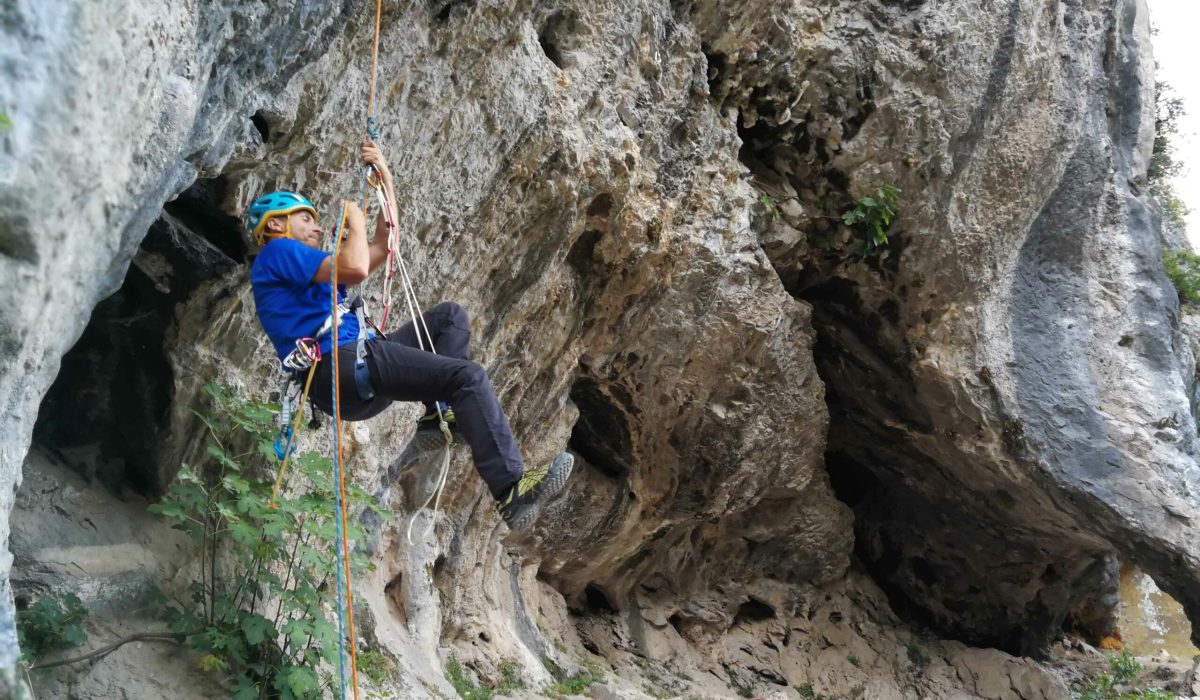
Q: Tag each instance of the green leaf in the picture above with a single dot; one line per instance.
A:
(256, 628)
(302, 681)
(245, 690)
(6, 123)
(243, 532)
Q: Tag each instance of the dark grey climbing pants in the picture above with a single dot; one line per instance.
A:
(401, 371)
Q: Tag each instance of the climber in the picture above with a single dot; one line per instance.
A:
(291, 279)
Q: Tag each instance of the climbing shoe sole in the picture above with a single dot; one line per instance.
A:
(522, 516)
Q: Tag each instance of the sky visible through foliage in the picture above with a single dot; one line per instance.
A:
(1176, 23)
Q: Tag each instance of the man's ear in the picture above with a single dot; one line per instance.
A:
(276, 224)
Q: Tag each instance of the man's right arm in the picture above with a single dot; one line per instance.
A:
(353, 260)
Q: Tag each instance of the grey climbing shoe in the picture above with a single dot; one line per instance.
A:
(521, 506)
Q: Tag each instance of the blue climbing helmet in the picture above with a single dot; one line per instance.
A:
(279, 203)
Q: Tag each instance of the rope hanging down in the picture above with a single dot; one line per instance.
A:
(345, 596)
(346, 602)
(424, 338)
(373, 179)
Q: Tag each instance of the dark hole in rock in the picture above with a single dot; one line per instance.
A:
(394, 591)
(851, 481)
(555, 36)
(260, 124)
(483, 636)
(923, 570)
(444, 14)
(199, 210)
(717, 63)
(677, 622)
(601, 435)
(754, 610)
(582, 253)
(106, 413)
(601, 206)
(597, 601)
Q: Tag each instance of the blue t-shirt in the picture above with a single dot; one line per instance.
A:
(289, 304)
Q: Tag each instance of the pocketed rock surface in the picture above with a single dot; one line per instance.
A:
(789, 453)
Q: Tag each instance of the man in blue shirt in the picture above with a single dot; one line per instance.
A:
(292, 278)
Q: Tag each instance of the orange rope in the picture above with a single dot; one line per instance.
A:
(374, 58)
(337, 390)
(337, 393)
(371, 94)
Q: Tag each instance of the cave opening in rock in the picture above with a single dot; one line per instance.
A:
(555, 36)
(259, 120)
(1149, 619)
(601, 434)
(908, 533)
(198, 209)
(754, 610)
(597, 601)
(106, 413)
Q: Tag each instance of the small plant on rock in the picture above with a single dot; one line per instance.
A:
(576, 683)
(768, 203)
(457, 675)
(1125, 669)
(1183, 269)
(5, 122)
(376, 665)
(257, 612)
(917, 659)
(872, 215)
(51, 624)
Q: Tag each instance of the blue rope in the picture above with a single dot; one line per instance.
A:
(337, 473)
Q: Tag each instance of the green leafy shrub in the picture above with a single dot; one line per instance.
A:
(5, 122)
(51, 624)
(257, 612)
(1183, 269)
(1125, 669)
(872, 215)
(854, 661)
(1164, 165)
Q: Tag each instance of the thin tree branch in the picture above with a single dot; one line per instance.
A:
(109, 648)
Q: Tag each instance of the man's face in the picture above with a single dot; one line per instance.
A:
(304, 227)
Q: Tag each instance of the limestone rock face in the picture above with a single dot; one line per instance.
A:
(639, 204)
(1009, 394)
(115, 108)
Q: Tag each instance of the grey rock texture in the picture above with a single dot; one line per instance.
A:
(73, 536)
(116, 107)
(639, 204)
(1008, 388)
